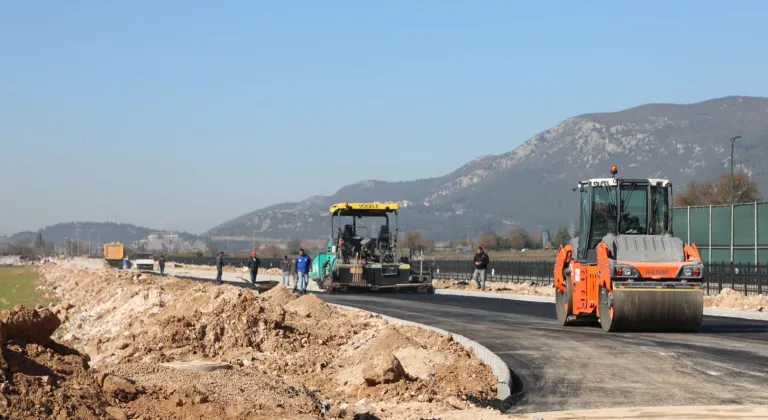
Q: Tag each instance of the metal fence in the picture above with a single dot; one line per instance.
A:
(737, 233)
(235, 262)
(749, 279)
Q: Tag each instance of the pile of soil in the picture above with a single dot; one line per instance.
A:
(527, 288)
(40, 378)
(288, 357)
(731, 299)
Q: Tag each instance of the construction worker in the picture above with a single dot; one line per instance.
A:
(219, 266)
(481, 263)
(285, 266)
(302, 268)
(253, 266)
(161, 264)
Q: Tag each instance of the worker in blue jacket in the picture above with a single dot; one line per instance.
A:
(303, 263)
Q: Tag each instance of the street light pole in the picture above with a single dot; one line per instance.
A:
(730, 191)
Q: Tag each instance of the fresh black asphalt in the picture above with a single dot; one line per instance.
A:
(563, 368)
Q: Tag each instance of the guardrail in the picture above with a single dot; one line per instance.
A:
(748, 279)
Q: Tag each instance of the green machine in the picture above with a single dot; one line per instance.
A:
(362, 252)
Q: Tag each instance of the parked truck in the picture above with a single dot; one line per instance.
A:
(145, 261)
(114, 254)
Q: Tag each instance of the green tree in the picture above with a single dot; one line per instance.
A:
(489, 240)
(519, 239)
(717, 192)
(39, 242)
(271, 251)
(412, 240)
(561, 237)
(211, 250)
(293, 246)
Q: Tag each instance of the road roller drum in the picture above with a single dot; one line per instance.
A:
(666, 309)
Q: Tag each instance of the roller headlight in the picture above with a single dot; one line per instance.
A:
(623, 270)
(692, 271)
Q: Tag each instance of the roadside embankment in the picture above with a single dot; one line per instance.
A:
(131, 345)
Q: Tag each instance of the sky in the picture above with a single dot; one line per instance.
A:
(185, 114)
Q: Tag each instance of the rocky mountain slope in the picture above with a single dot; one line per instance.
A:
(532, 185)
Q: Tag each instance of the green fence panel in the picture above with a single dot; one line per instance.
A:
(700, 226)
(744, 225)
(743, 256)
(680, 223)
(704, 252)
(762, 224)
(720, 254)
(721, 226)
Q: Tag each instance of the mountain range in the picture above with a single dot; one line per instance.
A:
(97, 232)
(531, 186)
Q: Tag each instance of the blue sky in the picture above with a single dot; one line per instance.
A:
(185, 114)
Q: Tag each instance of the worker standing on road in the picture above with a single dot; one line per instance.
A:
(285, 266)
(253, 265)
(302, 267)
(219, 266)
(481, 263)
(161, 264)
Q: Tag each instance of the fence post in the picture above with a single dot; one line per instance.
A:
(689, 225)
(756, 261)
(720, 277)
(731, 232)
(733, 278)
(709, 251)
(745, 278)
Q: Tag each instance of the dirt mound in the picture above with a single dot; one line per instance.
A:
(525, 288)
(310, 306)
(30, 325)
(279, 295)
(387, 341)
(291, 358)
(51, 381)
(241, 393)
(731, 299)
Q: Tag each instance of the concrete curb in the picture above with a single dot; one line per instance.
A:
(499, 368)
(708, 311)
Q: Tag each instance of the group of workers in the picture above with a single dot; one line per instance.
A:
(297, 269)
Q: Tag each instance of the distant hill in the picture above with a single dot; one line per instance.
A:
(104, 232)
(531, 185)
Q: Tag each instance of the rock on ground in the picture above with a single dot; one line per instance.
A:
(383, 369)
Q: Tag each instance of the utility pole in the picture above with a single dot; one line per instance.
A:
(730, 191)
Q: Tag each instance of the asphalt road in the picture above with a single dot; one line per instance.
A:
(566, 368)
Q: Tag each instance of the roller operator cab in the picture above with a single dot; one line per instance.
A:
(626, 268)
(362, 252)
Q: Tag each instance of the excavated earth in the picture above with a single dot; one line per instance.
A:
(120, 345)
